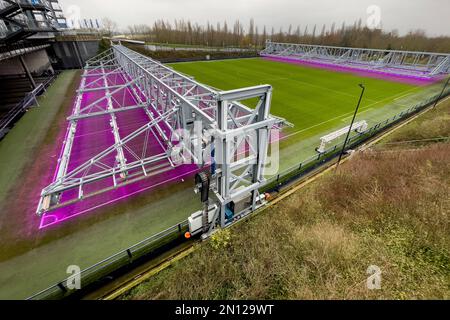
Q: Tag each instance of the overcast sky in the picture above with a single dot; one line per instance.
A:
(403, 15)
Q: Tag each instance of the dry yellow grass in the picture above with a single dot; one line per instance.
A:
(389, 209)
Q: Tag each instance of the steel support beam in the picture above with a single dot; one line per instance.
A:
(115, 128)
(27, 72)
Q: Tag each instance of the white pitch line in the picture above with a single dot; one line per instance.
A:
(359, 113)
(306, 129)
(344, 115)
(390, 98)
(314, 86)
(405, 95)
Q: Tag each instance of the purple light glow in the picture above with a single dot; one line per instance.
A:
(117, 195)
(93, 135)
(378, 74)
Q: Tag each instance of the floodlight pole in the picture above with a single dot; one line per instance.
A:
(351, 125)
(442, 92)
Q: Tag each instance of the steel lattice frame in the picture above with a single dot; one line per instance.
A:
(423, 65)
(171, 101)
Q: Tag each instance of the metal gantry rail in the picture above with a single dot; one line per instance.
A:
(424, 65)
(187, 118)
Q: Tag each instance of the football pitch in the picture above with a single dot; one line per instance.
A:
(315, 101)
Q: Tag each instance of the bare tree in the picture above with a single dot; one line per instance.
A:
(109, 26)
(356, 35)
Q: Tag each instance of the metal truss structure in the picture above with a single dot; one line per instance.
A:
(423, 65)
(21, 19)
(180, 119)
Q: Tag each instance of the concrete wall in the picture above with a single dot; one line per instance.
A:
(11, 67)
(73, 54)
(37, 63)
(62, 55)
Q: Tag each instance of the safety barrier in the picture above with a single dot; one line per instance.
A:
(28, 101)
(97, 272)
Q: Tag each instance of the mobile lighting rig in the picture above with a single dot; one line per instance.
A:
(416, 64)
(226, 138)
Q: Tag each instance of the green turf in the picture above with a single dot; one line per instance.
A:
(316, 101)
(304, 96)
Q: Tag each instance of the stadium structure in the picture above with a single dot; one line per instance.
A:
(152, 115)
(23, 19)
(137, 123)
(421, 65)
(33, 44)
(138, 126)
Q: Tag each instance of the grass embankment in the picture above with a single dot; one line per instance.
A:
(432, 127)
(195, 46)
(388, 209)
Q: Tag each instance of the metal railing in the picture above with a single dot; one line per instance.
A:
(28, 101)
(103, 268)
(100, 270)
